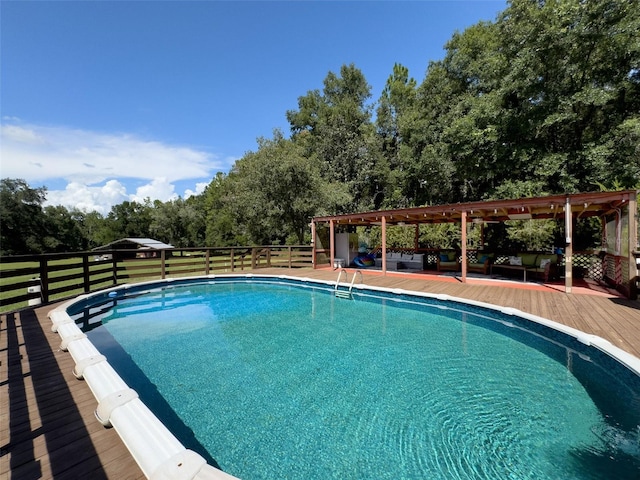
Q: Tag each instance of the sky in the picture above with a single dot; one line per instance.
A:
(107, 101)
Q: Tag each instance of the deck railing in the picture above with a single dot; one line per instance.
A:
(33, 279)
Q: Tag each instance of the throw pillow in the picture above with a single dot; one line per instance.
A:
(482, 259)
(515, 260)
(444, 257)
(544, 262)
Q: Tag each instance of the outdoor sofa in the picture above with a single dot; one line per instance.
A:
(402, 261)
(540, 265)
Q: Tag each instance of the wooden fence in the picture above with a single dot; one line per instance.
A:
(33, 279)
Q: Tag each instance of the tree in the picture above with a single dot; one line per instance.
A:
(22, 221)
(94, 228)
(179, 222)
(574, 80)
(62, 232)
(222, 228)
(128, 220)
(397, 99)
(341, 135)
(276, 190)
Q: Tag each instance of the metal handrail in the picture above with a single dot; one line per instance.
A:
(353, 280)
(346, 278)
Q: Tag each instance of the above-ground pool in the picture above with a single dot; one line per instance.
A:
(268, 377)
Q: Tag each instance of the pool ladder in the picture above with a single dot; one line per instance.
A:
(347, 294)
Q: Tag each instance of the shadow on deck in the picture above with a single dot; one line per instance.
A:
(48, 429)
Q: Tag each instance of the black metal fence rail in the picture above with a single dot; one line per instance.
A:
(33, 279)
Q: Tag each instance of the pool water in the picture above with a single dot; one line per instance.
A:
(279, 381)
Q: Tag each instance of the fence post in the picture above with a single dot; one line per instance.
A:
(114, 265)
(253, 258)
(233, 259)
(85, 273)
(44, 280)
(206, 259)
(163, 268)
(290, 260)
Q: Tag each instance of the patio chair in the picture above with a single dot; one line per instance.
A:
(448, 261)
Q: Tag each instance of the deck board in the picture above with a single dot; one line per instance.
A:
(47, 425)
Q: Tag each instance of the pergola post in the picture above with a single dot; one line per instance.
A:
(314, 262)
(632, 207)
(463, 241)
(332, 241)
(568, 253)
(384, 245)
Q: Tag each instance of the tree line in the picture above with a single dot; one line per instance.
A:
(543, 100)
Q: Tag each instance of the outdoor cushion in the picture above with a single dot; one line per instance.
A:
(483, 258)
(444, 257)
(451, 256)
(515, 260)
(544, 262)
(551, 257)
(528, 259)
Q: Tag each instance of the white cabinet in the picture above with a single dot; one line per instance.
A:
(346, 247)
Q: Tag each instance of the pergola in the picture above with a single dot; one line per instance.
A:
(617, 209)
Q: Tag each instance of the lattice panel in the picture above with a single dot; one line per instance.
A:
(587, 265)
(618, 277)
(610, 267)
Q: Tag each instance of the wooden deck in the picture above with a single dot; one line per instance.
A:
(47, 425)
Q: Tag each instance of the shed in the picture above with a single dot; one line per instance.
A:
(135, 247)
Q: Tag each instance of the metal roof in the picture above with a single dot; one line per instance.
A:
(140, 243)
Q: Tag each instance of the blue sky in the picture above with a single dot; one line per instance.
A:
(103, 102)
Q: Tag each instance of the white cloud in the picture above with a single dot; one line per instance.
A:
(38, 153)
(17, 134)
(200, 186)
(99, 167)
(88, 199)
(158, 189)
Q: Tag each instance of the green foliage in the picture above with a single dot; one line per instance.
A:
(181, 223)
(442, 235)
(339, 134)
(128, 220)
(22, 220)
(63, 232)
(533, 235)
(273, 193)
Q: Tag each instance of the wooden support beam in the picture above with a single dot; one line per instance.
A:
(463, 241)
(384, 245)
(332, 241)
(568, 253)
